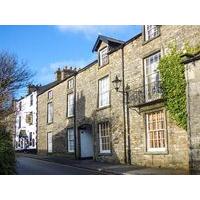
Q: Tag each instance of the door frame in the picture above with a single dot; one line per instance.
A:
(82, 127)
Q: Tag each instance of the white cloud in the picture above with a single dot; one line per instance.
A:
(47, 74)
(91, 30)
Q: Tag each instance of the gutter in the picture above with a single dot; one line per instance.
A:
(124, 112)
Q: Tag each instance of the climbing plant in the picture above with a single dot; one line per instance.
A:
(173, 82)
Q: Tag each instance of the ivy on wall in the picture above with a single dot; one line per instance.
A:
(174, 84)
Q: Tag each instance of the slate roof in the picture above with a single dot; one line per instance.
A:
(107, 40)
(100, 38)
(46, 87)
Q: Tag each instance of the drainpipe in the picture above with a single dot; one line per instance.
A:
(124, 109)
(128, 127)
(75, 131)
(37, 121)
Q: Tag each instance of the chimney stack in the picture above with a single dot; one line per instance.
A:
(32, 88)
(66, 72)
(58, 74)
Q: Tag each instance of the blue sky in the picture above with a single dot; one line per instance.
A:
(45, 48)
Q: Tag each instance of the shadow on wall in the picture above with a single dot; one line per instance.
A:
(60, 139)
(116, 130)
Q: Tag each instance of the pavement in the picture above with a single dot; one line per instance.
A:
(31, 166)
(103, 167)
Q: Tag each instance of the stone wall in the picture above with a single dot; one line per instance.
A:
(135, 52)
(60, 120)
(87, 106)
(87, 111)
(192, 72)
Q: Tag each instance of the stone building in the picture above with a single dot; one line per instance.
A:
(119, 113)
(192, 74)
(56, 114)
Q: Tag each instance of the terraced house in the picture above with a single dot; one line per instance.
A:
(112, 109)
(26, 121)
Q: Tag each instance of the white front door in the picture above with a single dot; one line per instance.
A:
(49, 140)
(86, 143)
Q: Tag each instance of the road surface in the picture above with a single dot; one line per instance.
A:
(30, 166)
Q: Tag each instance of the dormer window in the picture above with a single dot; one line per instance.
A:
(103, 57)
(151, 31)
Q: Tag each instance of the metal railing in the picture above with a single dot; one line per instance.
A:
(147, 93)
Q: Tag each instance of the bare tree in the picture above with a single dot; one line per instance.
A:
(14, 75)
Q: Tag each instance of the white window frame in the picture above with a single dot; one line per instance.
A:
(103, 57)
(20, 106)
(151, 31)
(31, 100)
(163, 147)
(33, 142)
(70, 140)
(104, 92)
(70, 84)
(30, 138)
(105, 137)
(49, 112)
(70, 105)
(50, 94)
(20, 122)
(49, 136)
(151, 73)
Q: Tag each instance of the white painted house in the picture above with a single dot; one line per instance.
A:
(26, 121)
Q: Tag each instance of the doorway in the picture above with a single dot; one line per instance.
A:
(86, 142)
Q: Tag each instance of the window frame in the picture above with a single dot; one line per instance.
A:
(49, 122)
(146, 75)
(68, 84)
(157, 150)
(69, 150)
(100, 93)
(30, 138)
(31, 99)
(101, 64)
(101, 150)
(20, 106)
(147, 37)
(20, 122)
(49, 133)
(33, 142)
(49, 97)
(29, 118)
(68, 105)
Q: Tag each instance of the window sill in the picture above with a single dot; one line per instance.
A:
(70, 117)
(70, 152)
(102, 108)
(103, 65)
(147, 41)
(70, 91)
(105, 154)
(49, 123)
(156, 152)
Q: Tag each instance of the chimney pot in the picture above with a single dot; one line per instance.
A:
(58, 74)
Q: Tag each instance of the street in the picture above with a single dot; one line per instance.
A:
(30, 166)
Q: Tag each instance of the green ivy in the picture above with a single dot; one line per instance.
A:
(174, 85)
(173, 81)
